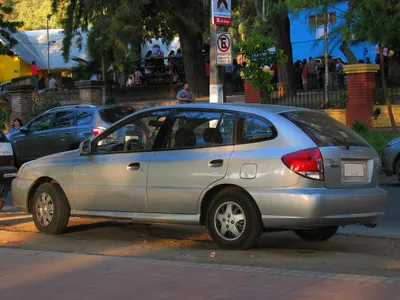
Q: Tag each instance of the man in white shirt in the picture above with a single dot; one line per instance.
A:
(52, 83)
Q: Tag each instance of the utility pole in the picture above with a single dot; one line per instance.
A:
(48, 18)
(216, 72)
(326, 20)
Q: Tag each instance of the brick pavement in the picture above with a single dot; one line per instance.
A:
(35, 275)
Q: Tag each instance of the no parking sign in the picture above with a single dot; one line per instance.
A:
(224, 49)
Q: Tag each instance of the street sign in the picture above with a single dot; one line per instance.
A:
(224, 49)
(221, 12)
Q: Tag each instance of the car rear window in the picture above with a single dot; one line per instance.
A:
(324, 130)
(114, 114)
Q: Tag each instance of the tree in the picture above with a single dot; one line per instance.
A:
(377, 21)
(34, 12)
(275, 12)
(7, 27)
(118, 26)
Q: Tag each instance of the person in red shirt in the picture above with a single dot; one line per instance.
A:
(35, 75)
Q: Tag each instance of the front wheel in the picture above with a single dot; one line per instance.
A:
(317, 234)
(1, 204)
(50, 209)
(233, 220)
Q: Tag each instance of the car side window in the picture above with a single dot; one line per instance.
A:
(64, 119)
(200, 129)
(138, 134)
(252, 129)
(84, 118)
(41, 123)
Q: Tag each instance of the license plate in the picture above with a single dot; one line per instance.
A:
(354, 170)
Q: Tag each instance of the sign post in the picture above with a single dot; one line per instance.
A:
(220, 47)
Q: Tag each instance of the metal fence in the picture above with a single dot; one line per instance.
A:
(308, 98)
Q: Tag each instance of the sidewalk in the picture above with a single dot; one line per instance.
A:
(35, 275)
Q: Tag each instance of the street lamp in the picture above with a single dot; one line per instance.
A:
(48, 18)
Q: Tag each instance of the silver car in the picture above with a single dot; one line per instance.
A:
(238, 170)
(391, 158)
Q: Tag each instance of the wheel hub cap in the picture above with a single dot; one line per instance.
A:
(44, 209)
(230, 221)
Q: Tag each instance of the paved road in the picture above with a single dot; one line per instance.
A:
(34, 275)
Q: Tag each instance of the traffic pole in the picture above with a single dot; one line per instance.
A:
(216, 72)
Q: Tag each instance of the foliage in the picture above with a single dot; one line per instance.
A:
(84, 68)
(5, 109)
(257, 54)
(6, 28)
(34, 12)
(378, 140)
(43, 102)
(360, 127)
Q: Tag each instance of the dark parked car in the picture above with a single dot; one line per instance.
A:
(63, 128)
(7, 170)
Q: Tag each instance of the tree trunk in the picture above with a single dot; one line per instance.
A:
(191, 44)
(385, 92)
(351, 58)
(281, 34)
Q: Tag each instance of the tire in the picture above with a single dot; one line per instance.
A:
(248, 229)
(2, 204)
(50, 220)
(317, 234)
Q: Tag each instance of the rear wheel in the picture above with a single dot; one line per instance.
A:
(50, 209)
(233, 220)
(317, 234)
(1, 204)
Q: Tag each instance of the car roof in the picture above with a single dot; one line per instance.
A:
(249, 108)
(84, 106)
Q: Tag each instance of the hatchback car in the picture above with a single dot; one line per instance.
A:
(236, 169)
(62, 129)
(391, 158)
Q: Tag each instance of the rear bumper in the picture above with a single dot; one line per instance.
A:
(307, 208)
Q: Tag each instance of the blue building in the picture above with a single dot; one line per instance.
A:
(307, 32)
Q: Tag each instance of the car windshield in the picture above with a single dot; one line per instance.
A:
(324, 130)
(114, 114)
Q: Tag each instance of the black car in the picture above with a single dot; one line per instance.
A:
(62, 129)
(7, 170)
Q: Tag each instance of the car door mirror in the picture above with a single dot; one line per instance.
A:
(85, 148)
(24, 130)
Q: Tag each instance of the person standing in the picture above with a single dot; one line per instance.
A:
(35, 75)
(340, 73)
(52, 83)
(185, 95)
(311, 68)
(17, 124)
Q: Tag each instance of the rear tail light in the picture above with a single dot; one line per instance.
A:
(307, 163)
(97, 130)
(7, 160)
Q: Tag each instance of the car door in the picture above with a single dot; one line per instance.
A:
(195, 153)
(114, 177)
(62, 135)
(34, 143)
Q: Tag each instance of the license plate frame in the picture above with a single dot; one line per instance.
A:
(354, 171)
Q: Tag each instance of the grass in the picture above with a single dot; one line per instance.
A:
(378, 140)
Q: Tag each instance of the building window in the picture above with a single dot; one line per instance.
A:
(318, 20)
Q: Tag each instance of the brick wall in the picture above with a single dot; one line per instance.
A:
(21, 102)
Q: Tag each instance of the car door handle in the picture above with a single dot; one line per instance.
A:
(133, 166)
(42, 136)
(216, 163)
(68, 133)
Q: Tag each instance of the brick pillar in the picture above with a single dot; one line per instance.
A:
(90, 92)
(21, 102)
(251, 95)
(361, 91)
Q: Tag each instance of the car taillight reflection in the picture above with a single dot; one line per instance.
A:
(97, 130)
